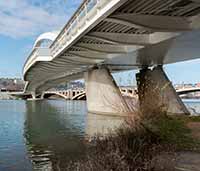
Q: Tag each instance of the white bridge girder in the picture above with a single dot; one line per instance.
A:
(108, 49)
(156, 23)
(130, 39)
(124, 34)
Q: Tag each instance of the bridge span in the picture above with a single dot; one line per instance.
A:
(77, 94)
(80, 94)
(188, 90)
(109, 36)
(71, 94)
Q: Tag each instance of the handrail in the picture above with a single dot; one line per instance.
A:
(82, 11)
(69, 30)
(33, 55)
(30, 55)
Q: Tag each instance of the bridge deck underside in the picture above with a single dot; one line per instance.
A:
(137, 33)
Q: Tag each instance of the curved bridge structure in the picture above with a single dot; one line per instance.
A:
(122, 34)
(116, 35)
(80, 94)
(68, 94)
(129, 92)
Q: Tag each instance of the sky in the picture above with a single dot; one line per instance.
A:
(22, 21)
(178, 73)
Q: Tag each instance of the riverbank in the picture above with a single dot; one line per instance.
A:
(6, 96)
(164, 143)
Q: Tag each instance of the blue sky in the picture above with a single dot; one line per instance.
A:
(182, 72)
(23, 20)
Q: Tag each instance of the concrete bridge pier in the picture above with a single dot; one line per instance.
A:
(103, 95)
(37, 97)
(33, 94)
(156, 93)
(42, 95)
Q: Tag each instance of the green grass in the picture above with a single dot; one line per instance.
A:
(173, 130)
(194, 118)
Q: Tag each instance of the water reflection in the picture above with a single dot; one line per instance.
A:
(101, 124)
(12, 149)
(55, 131)
(50, 133)
(193, 106)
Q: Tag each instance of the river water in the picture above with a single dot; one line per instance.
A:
(46, 135)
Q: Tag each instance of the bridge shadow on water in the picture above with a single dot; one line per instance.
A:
(55, 131)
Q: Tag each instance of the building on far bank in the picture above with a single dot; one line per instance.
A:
(11, 84)
(197, 84)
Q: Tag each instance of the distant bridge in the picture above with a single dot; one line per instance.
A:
(77, 94)
(80, 94)
(188, 90)
(72, 94)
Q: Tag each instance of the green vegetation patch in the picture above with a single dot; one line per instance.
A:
(194, 118)
(173, 131)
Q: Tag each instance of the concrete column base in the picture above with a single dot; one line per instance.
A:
(34, 97)
(156, 93)
(42, 95)
(103, 95)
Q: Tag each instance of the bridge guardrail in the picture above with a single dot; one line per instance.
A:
(33, 56)
(78, 20)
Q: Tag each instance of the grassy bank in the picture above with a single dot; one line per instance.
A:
(173, 131)
(131, 148)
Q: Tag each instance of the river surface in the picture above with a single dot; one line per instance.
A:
(46, 135)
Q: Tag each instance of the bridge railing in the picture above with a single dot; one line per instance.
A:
(87, 10)
(36, 52)
(78, 20)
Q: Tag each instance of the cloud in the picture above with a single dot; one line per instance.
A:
(25, 18)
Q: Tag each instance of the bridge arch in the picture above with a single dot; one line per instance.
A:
(67, 94)
(80, 96)
(48, 36)
(49, 94)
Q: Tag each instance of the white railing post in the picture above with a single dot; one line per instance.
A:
(89, 9)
